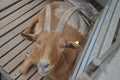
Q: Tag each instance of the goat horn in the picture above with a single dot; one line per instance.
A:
(64, 19)
(48, 18)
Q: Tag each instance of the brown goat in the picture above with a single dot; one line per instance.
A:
(51, 53)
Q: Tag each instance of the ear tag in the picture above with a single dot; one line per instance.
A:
(76, 44)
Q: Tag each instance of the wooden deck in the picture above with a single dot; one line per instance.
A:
(14, 16)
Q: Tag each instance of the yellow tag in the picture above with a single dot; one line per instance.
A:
(74, 44)
(77, 43)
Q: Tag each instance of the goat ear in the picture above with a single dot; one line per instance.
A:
(31, 37)
(71, 44)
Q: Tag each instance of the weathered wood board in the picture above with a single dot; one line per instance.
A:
(14, 17)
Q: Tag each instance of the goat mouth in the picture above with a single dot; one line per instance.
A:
(43, 73)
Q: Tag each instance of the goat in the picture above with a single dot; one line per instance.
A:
(54, 52)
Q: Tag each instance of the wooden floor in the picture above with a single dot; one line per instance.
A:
(14, 16)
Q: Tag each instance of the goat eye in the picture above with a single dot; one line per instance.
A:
(61, 48)
(63, 45)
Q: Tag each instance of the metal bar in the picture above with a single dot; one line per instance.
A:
(90, 46)
(103, 31)
(110, 51)
(96, 39)
(6, 75)
(83, 59)
(99, 38)
(111, 30)
(107, 70)
(102, 2)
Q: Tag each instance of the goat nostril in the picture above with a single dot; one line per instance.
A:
(44, 65)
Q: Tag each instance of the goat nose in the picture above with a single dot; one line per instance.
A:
(44, 65)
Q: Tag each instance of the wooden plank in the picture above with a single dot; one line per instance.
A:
(7, 4)
(36, 76)
(16, 75)
(18, 13)
(17, 60)
(9, 46)
(4, 39)
(14, 8)
(26, 16)
(29, 74)
(4, 60)
(9, 61)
